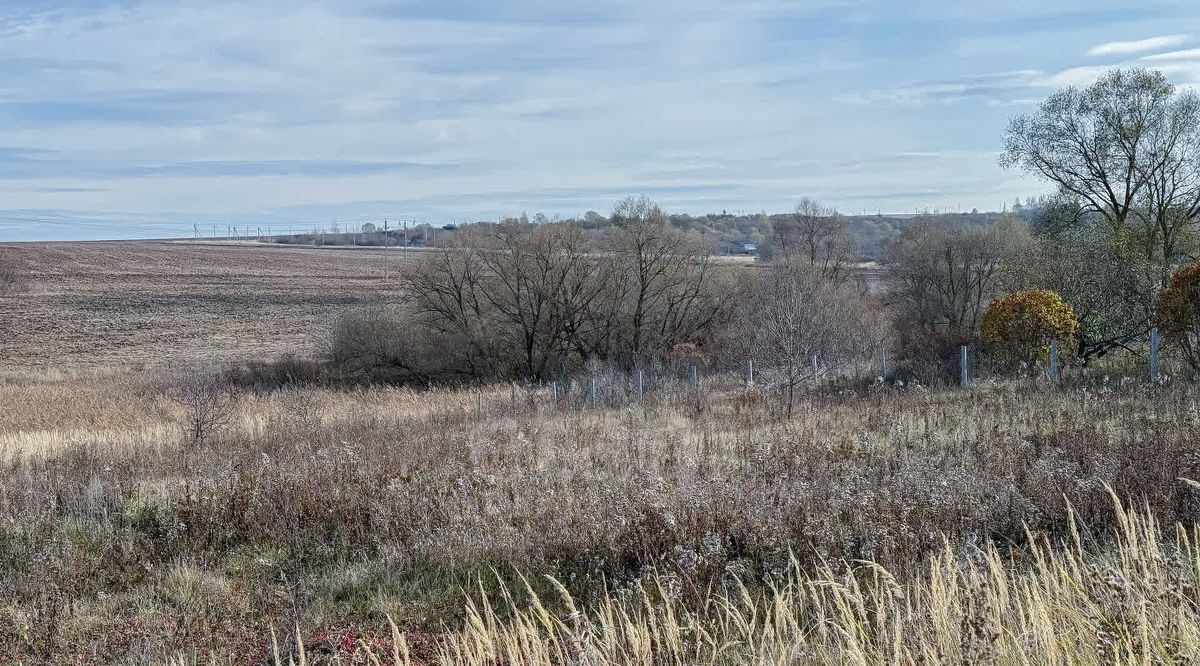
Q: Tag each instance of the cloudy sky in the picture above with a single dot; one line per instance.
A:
(131, 118)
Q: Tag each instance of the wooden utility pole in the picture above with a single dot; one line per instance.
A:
(385, 245)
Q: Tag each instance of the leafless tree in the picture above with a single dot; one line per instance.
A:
(446, 288)
(540, 283)
(1168, 207)
(795, 315)
(944, 274)
(817, 235)
(523, 301)
(664, 282)
(208, 405)
(1091, 142)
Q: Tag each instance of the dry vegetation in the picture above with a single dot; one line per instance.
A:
(724, 535)
(151, 514)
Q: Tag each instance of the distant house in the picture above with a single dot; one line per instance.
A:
(738, 247)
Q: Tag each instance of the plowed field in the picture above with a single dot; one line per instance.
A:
(147, 303)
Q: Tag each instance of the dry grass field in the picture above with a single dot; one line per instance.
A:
(380, 525)
(318, 523)
(147, 303)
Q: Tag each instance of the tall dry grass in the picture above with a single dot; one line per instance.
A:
(1132, 602)
(330, 511)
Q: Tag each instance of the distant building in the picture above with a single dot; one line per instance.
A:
(749, 248)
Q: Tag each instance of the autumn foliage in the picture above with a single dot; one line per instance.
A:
(1177, 312)
(1019, 327)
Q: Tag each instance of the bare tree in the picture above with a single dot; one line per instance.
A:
(208, 405)
(944, 274)
(523, 300)
(447, 296)
(795, 315)
(540, 283)
(1168, 207)
(1091, 142)
(663, 284)
(819, 236)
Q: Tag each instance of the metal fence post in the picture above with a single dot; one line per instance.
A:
(1054, 361)
(815, 367)
(883, 363)
(512, 397)
(641, 380)
(962, 362)
(594, 402)
(1154, 354)
(750, 373)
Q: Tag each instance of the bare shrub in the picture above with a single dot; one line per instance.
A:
(391, 344)
(208, 403)
(303, 406)
(272, 375)
(800, 325)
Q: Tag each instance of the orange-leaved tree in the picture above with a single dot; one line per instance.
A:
(1177, 312)
(1019, 327)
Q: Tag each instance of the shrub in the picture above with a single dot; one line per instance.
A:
(925, 356)
(275, 374)
(208, 403)
(1177, 312)
(1019, 327)
(390, 344)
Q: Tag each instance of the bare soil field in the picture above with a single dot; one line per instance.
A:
(148, 303)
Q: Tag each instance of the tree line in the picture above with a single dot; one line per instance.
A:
(1087, 267)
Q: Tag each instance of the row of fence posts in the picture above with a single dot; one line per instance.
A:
(1055, 376)
(593, 396)
(963, 362)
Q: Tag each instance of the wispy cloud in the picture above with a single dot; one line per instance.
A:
(135, 115)
(921, 93)
(1186, 54)
(1137, 46)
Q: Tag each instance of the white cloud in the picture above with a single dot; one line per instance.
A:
(1186, 54)
(136, 107)
(1138, 46)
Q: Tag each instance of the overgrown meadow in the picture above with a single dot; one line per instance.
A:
(881, 524)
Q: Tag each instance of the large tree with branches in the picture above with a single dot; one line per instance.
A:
(1127, 149)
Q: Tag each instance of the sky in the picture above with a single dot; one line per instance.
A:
(141, 119)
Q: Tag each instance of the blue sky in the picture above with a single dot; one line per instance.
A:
(129, 118)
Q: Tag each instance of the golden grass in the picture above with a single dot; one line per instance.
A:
(334, 509)
(1133, 603)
